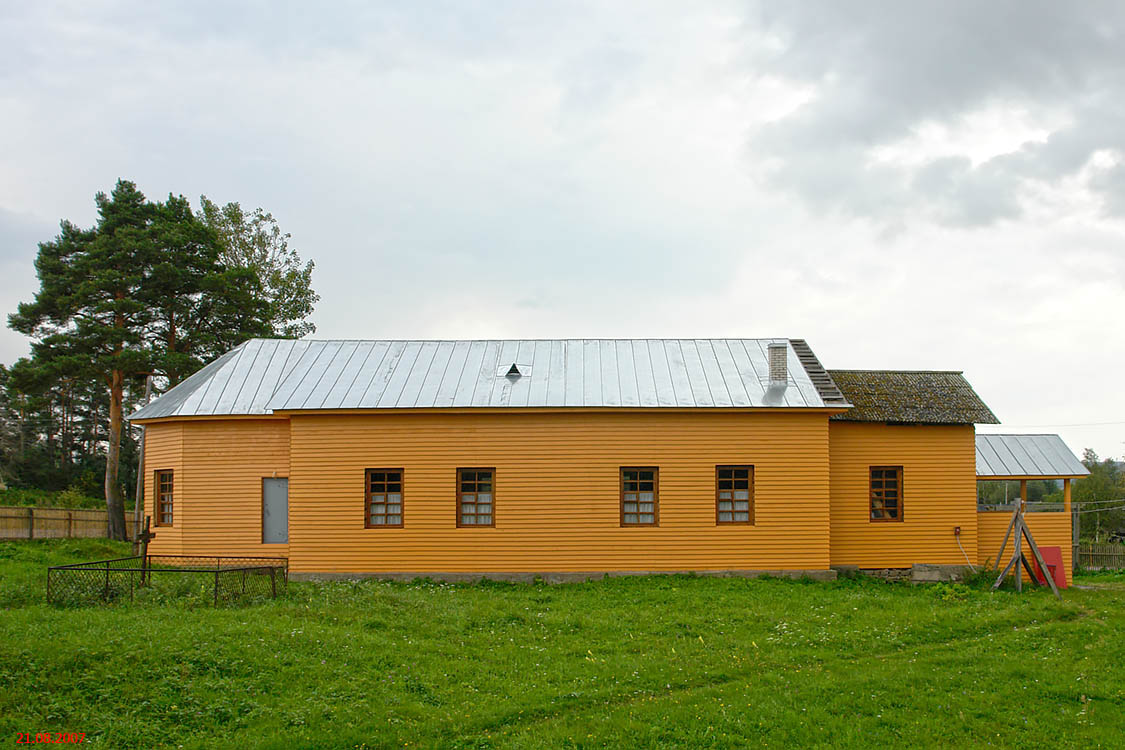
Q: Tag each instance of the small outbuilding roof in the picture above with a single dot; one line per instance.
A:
(910, 397)
(1026, 457)
(263, 376)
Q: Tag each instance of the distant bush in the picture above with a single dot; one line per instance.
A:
(72, 497)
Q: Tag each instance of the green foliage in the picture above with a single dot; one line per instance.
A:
(1105, 484)
(150, 289)
(255, 243)
(651, 662)
(994, 492)
(72, 497)
(200, 306)
(950, 592)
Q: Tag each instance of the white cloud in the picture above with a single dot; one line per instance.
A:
(617, 169)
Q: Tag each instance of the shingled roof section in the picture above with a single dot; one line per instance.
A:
(910, 397)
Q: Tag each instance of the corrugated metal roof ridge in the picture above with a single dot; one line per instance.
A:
(263, 375)
(981, 461)
(273, 352)
(246, 375)
(1062, 455)
(778, 339)
(993, 464)
(1026, 454)
(162, 407)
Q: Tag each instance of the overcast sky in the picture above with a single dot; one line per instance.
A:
(922, 185)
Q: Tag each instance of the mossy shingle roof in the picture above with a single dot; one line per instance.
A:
(910, 397)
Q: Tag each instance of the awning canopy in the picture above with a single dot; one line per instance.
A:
(1026, 457)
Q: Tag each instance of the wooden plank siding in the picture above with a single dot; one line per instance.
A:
(164, 450)
(557, 501)
(1049, 530)
(218, 468)
(222, 484)
(557, 491)
(938, 493)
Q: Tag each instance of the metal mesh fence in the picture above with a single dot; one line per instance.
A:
(161, 577)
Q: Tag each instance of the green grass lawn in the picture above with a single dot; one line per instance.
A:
(629, 662)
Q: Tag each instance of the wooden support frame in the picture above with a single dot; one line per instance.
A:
(1018, 560)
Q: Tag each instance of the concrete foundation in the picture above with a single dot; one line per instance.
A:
(894, 575)
(917, 573)
(926, 573)
(816, 575)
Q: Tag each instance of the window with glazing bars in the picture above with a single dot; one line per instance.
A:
(476, 497)
(886, 493)
(734, 494)
(639, 496)
(384, 497)
(164, 492)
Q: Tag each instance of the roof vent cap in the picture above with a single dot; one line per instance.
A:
(513, 371)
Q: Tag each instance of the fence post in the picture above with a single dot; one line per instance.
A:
(216, 584)
(273, 582)
(69, 524)
(1075, 519)
(31, 523)
(107, 582)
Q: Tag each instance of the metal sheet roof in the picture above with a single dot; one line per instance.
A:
(262, 376)
(1026, 456)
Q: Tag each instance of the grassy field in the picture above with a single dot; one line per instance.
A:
(635, 662)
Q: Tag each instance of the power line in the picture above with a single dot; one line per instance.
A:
(1076, 424)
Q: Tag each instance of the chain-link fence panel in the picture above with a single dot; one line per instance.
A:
(157, 578)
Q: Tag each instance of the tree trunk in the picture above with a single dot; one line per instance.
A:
(115, 506)
(139, 495)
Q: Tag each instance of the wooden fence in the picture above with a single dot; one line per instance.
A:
(1102, 556)
(18, 522)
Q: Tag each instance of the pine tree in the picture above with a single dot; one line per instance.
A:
(91, 311)
(150, 289)
(142, 292)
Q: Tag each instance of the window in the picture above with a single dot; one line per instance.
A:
(475, 496)
(886, 493)
(163, 509)
(638, 496)
(384, 497)
(734, 492)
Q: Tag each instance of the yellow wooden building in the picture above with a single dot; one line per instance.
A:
(568, 458)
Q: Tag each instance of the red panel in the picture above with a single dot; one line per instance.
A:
(1053, 557)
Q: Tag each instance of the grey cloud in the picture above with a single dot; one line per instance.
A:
(1112, 183)
(883, 69)
(568, 169)
(20, 235)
